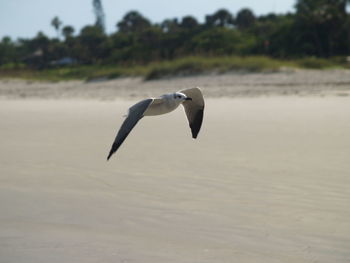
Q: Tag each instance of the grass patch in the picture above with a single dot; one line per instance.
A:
(315, 63)
(74, 73)
(197, 65)
(178, 67)
(321, 63)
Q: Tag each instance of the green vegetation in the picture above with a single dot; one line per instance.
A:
(198, 65)
(179, 67)
(316, 36)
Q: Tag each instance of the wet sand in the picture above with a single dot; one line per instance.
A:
(266, 181)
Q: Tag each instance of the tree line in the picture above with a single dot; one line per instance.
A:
(319, 28)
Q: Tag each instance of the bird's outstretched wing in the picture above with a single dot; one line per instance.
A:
(135, 114)
(194, 109)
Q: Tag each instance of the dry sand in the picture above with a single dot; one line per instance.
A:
(297, 82)
(267, 180)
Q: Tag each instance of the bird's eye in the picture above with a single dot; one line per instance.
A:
(179, 96)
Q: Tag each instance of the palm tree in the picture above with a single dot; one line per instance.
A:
(67, 31)
(245, 18)
(56, 23)
(322, 21)
(189, 22)
(99, 13)
(221, 18)
(133, 22)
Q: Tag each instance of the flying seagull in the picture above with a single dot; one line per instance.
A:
(191, 99)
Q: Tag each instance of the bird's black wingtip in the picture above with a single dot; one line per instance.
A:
(114, 148)
(194, 136)
(197, 123)
(110, 154)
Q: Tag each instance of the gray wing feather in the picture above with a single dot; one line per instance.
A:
(194, 109)
(135, 114)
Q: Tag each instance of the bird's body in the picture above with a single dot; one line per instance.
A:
(162, 105)
(191, 99)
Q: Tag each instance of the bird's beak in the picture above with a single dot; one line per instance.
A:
(188, 99)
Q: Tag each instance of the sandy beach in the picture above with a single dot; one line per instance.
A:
(236, 84)
(267, 180)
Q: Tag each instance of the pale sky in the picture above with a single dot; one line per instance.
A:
(24, 18)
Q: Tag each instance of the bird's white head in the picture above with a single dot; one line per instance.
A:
(178, 96)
